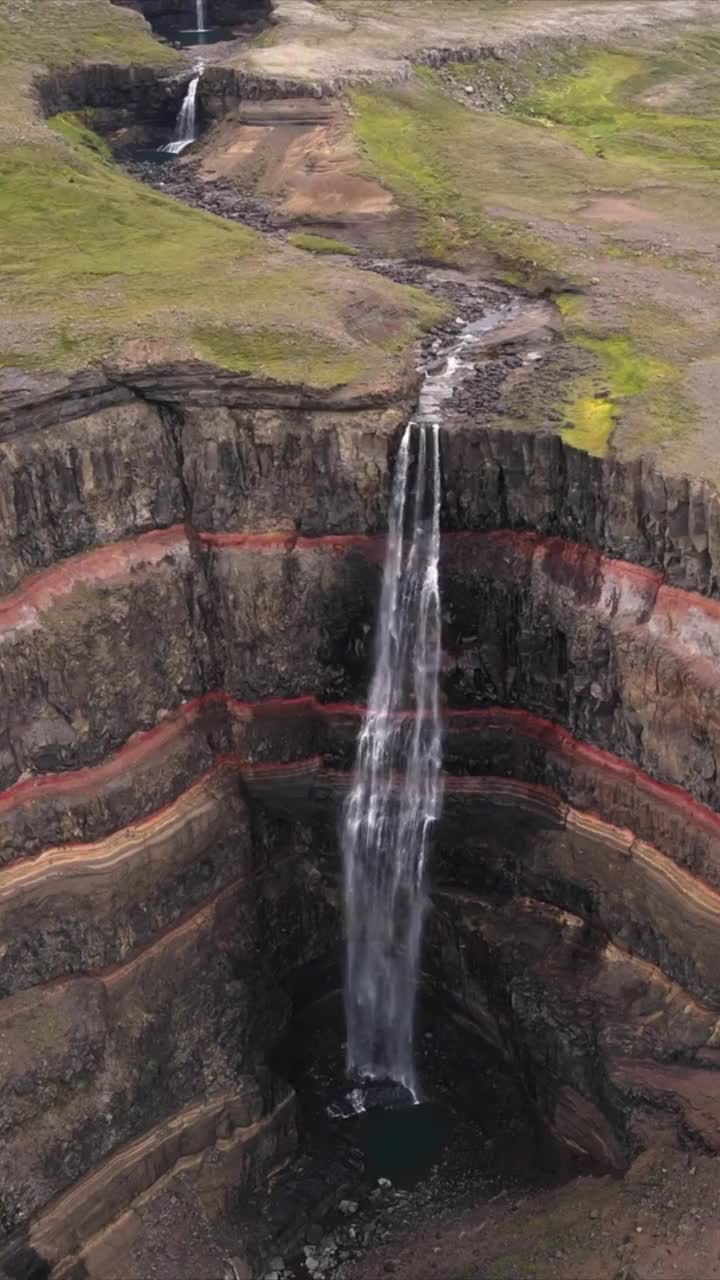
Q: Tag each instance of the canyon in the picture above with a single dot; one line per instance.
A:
(200, 419)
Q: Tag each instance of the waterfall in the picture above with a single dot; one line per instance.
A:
(185, 129)
(397, 787)
(200, 15)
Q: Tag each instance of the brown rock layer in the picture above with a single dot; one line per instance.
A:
(96, 1059)
(640, 926)
(230, 1140)
(602, 647)
(585, 1023)
(186, 637)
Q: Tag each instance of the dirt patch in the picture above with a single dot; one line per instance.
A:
(656, 1224)
(348, 40)
(303, 158)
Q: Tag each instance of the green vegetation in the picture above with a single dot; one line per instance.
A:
(281, 354)
(591, 169)
(613, 155)
(598, 104)
(591, 419)
(628, 372)
(66, 33)
(71, 127)
(101, 261)
(320, 244)
(96, 266)
(624, 373)
(430, 151)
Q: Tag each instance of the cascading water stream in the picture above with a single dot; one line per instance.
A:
(200, 15)
(186, 127)
(397, 785)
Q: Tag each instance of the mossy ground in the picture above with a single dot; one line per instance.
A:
(426, 148)
(97, 260)
(96, 266)
(600, 166)
(320, 244)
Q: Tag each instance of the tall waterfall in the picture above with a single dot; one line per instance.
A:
(200, 15)
(397, 789)
(186, 127)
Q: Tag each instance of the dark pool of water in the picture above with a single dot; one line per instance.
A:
(148, 155)
(402, 1143)
(399, 1137)
(188, 38)
(467, 1135)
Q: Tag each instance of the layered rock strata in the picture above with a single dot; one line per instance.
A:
(91, 459)
(186, 630)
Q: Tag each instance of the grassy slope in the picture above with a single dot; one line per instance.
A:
(96, 266)
(512, 185)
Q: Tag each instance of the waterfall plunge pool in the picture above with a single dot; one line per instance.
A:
(459, 1084)
(185, 36)
(366, 1147)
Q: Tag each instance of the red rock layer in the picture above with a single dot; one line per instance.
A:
(73, 906)
(623, 661)
(138, 631)
(274, 741)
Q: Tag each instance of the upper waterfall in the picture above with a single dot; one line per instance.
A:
(397, 791)
(186, 127)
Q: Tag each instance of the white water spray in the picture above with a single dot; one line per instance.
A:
(200, 15)
(397, 786)
(186, 127)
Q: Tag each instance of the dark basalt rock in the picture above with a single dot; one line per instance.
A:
(218, 13)
(191, 564)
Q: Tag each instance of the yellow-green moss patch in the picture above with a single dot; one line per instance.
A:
(593, 413)
(600, 104)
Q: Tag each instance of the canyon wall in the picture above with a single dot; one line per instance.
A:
(221, 13)
(188, 585)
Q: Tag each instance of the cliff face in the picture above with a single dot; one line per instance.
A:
(221, 13)
(189, 593)
(191, 542)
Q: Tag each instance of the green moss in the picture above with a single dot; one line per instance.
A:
(422, 145)
(286, 355)
(63, 33)
(598, 105)
(591, 423)
(570, 305)
(320, 244)
(93, 261)
(627, 373)
(98, 267)
(72, 128)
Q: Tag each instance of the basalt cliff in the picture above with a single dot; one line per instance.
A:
(191, 543)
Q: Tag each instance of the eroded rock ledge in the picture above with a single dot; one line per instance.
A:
(605, 648)
(543, 911)
(227, 455)
(172, 761)
(623, 860)
(232, 1140)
